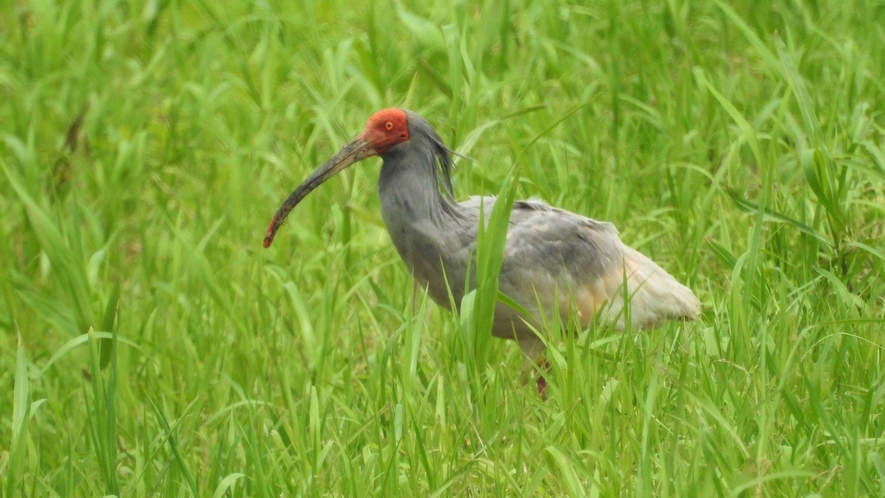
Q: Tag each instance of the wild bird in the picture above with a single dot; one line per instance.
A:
(552, 257)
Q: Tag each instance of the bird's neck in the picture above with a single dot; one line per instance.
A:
(424, 225)
(410, 194)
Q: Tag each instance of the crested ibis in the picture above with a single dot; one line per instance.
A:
(552, 257)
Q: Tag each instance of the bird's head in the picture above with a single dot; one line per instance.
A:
(385, 130)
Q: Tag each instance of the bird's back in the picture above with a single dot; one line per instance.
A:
(556, 261)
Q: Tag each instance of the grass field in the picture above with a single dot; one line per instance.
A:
(150, 347)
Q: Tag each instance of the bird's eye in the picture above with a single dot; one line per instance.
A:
(388, 125)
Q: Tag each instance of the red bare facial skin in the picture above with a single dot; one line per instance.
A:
(385, 129)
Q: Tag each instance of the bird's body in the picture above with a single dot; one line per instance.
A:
(554, 260)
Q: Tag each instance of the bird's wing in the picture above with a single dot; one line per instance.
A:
(553, 258)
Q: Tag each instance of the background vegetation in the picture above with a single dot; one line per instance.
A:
(144, 146)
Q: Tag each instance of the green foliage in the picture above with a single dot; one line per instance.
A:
(150, 347)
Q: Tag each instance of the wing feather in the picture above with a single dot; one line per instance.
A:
(554, 258)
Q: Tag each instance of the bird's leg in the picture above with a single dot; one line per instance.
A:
(542, 364)
(533, 348)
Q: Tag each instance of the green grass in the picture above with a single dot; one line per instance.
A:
(145, 145)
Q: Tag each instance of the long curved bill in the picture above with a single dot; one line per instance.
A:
(355, 151)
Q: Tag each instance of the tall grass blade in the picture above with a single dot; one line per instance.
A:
(20, 414)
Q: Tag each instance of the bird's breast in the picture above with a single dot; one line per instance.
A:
(433, 256)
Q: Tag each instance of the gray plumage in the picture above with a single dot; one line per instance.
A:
(554, 260)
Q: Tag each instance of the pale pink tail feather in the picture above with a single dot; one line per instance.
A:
(654, 296)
